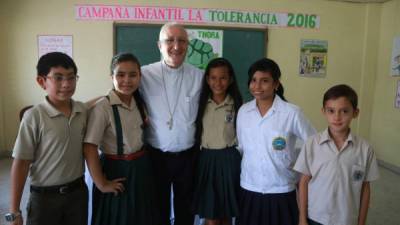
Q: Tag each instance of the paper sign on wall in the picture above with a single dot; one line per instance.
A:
(204, 45)
(55, 43)
(395, 65)
(313, 58)
(220, 17)
(397, 99)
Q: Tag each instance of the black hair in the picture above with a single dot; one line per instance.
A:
(129, 57)
(269, 66)
(123, 57)
(206, 93)
(341, 90)
(54, 59)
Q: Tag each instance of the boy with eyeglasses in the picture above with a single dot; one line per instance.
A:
(49, 148)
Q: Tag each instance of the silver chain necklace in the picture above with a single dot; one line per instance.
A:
(171, 113)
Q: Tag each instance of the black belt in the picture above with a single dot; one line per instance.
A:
(59, 189)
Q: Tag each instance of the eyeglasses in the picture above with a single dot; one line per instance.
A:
(171, 41)
(61, 78)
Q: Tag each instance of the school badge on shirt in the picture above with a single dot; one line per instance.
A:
(279, 143)
(229, 118)
(358, 175)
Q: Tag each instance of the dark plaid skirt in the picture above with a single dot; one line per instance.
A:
(217, 183)
(136, 205)
(312, 222)
(268, 209)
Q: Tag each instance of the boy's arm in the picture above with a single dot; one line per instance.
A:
(93, 163)
(303, 199)
(19, 173)
(364, 203)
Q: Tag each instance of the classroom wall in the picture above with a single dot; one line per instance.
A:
(3, 40)
(385, 120)
(351, 30)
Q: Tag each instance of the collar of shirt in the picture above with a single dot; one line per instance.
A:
(227, 101)
(169, 70)
(276, 105)
(53, 112)
(115, 100)
(325, 137)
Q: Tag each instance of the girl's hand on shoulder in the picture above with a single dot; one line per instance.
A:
(113, 186)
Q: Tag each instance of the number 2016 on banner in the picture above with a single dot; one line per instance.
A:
(301, 20)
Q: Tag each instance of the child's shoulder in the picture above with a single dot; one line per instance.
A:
(105, 100)
(247, 106)
(314, 140)
(361, 142)
(33, 112)
(34, 116)
(80, 106)
(39, 109)
(101, 105)
(288, 107)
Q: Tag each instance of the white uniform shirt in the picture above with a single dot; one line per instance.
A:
(334, 190)
(265, 168)
(182, 85)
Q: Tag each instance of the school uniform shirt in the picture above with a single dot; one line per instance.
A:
(182, 86)
(218, 124)
(101, 125)
(53, 142)
(334, 190)
(268, 145)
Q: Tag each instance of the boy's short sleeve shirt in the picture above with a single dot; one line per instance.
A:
(337, 176)
(53, 143)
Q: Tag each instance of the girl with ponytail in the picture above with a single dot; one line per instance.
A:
(267, 128)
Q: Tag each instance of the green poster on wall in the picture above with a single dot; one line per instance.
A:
(204, 45)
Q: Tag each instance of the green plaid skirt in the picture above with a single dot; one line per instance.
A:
(136, 205)
(217, 183)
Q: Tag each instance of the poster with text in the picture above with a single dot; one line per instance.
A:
(55, 43)
(313, 58)
(395, 65)
(204, 45)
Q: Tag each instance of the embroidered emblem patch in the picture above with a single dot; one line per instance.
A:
(228, 118)
(279, 143)
(358, 175)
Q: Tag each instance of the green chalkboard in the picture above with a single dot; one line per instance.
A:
(240, 46)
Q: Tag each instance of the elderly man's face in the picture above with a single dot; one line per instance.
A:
(173, 45)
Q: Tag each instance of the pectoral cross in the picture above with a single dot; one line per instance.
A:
(169, 123)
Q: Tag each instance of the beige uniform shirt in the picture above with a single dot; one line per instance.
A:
(218, 125)
(101, 125)
(337, 176)
(53, 142)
